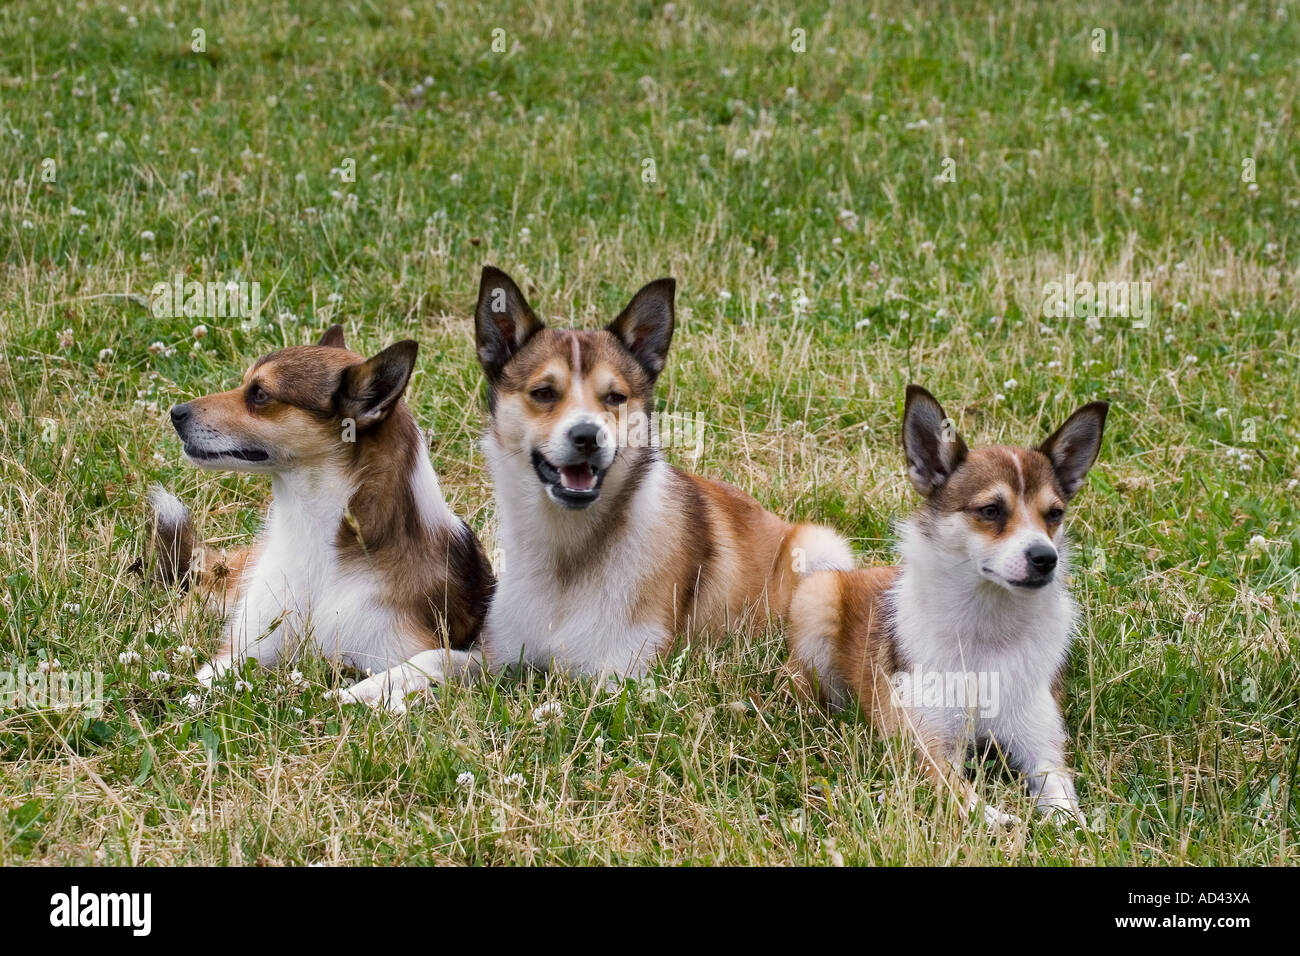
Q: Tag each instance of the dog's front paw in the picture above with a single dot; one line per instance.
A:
(211, 672)
(1060, 809)
(997, 819)
(381, 692)
(1056, 800)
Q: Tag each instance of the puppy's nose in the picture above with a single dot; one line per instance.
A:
(585, 437)
(180, 415)
(1041, 557)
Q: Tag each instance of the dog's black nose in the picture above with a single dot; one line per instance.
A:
(585, 437)
(180, 414)
(1041, 557)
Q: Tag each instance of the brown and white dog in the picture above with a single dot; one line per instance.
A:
(360, 557)
(610, 553)
(965, 641)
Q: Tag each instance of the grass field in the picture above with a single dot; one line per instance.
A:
(826, 255)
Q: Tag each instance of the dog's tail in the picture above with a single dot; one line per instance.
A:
(172, 539)
(807, 549)
(812, 547)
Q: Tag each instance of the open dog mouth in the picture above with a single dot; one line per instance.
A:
(239, 454)
(573, 486)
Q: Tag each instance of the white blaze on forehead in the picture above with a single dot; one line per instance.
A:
(1020, 472)
(577, 359)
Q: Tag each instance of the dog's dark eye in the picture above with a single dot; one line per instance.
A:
(991, 512)
(615, 398)
(257, 395)
(1055, 515)
(543, 394)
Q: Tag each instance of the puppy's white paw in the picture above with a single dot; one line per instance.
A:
(212, 671)
(387, 691)
(997, 819)
(1060, 809)
(1056, 800)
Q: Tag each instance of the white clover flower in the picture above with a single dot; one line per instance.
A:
(147, 236)
(242, 685)
(1010, 384)
(465, 780)
(159, 677)
(128, 658)
(66, 339)
(514, 780)
(296, 678)
(191, 701)
(183, 652)
(547, 711)
(1258, 545)
(199, 331)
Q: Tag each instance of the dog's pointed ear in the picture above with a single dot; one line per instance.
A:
(369, 390)
(1073, 447)
(645, 327)
(333, 338)
(931, 443)
(503, 321)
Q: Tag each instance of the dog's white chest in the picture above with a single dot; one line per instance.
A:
(585, 628)
(974, 669)
(298, 594)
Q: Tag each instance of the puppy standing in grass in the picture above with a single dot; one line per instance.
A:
(610, 552)
(360, 555)
(978, 600)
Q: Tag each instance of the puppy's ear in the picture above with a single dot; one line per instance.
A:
(645, 327)
(931, 444)
(1073, 447)
(333, 338)
(369, 390)
(503, 321)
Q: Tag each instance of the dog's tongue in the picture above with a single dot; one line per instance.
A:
(578, 477)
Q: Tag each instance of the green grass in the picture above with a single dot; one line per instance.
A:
(777, 174)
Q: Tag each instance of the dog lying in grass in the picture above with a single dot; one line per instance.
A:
(360, 556)
(977, 601)
(611, 553)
